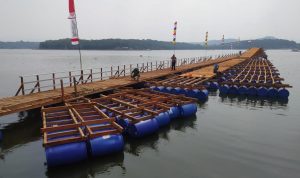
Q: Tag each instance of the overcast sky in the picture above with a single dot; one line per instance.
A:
(38, 20)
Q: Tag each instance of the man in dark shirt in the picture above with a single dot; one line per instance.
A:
(173, 62)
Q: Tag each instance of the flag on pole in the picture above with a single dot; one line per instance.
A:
(72, 17)
(206, 40)
(174, 33)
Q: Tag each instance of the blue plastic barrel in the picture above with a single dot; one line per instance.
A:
(161, 89)
(224, 89)
(190, 93)
(243, 90)
(169, 90)
(143, 128)
(213, 85)
(188, 110)
(163, 119)
(201, 94)
(66, 154)
(174, 112)
(282, 93)
(233, 90)
(156, 89)
(106, 145)
(123, 122)
(179, 91)
(152, 87)
(262, 91)
(272, 92)
(252, 91)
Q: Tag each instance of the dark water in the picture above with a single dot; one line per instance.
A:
(228, 138)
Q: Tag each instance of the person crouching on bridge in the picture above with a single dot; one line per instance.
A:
(135, 74)
(216, 68)
(173, 62)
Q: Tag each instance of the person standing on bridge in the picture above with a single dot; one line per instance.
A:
(173, 62)
(216, 68)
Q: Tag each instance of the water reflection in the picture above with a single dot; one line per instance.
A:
(89, 168)
(136, 146)
(254, 102)
(25, 130)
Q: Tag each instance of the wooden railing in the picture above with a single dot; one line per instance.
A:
(52, 81)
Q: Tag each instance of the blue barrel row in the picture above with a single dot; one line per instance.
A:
(254, 91)
(150, 126)
(78, 151)
(69, 146)
(201, 95)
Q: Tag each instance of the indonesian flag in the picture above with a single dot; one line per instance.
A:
(72, 17)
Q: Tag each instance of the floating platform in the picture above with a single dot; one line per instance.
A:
(94, 127)
(254, 77)
(74, 131)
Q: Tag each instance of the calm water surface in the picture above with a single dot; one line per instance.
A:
(228, 137)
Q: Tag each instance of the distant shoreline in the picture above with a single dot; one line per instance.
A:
(144, 45)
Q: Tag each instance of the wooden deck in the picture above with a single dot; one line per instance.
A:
(207, 72)
(37, 100)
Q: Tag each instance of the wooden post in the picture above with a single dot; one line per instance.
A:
(111, 71)
(38, 82)
(81, 77)
(70, 78)
(124, 70)
(130, 68)
(75, 86)
(156, 65)
(147, 67)
(118, 71)
(22, 86)
(91, 75)
(151, 66)
(143, 67)
(53, 79)
(101, 74)
(62, 89)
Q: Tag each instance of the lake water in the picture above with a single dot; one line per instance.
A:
(228, 137)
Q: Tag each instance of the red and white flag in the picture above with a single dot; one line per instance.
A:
(72, 17)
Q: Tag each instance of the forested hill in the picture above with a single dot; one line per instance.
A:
(116, 44)
(132, 44)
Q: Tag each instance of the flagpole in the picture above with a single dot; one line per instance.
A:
(79, 47)
(174, 37)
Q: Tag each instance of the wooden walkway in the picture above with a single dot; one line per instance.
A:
(37, 100)
(207, 72)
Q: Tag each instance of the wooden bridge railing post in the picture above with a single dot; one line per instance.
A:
(22, 86)
(81, 76)
(156, 66)
(38, 83)
(151, 66)
(101, 74)
(75, 86)
(130, 68)
(70, 78)
(124, 67)
(53, 80)
(147, 67)
(62, 89)
(111, 71)
(91, 75)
